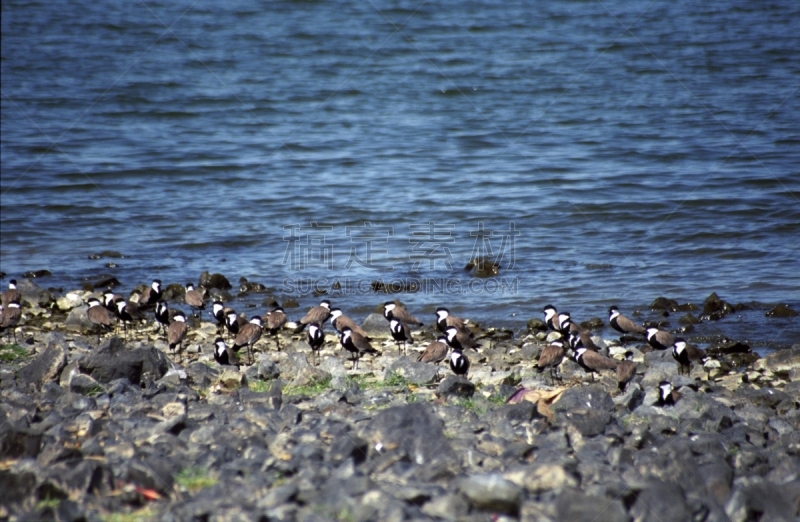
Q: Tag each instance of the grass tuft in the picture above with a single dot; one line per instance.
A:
(259, 386)
(195, 479)
(12, 352)
(310, 389)
(141, 515)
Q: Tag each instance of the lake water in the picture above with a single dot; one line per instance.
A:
(609, 152)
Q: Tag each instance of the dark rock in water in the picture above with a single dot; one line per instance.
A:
(662, 303)
(595, 323)
(492, 493)
(536, 325)
(37, 273)
(729, 347)
(689, 319)
(757, 499)
(663, 501)
(414, 430)
(48, 365)
(574, 506)
(248, 287)
(715, 308)
(482, 267)
(214, 281)
(414, 372)
(33, 293)
(290, 303)
(782, 310)
(113, 361)
(102, 281)
(456, 386)
(173, 292)
(112, 254)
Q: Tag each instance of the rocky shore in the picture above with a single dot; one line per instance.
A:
(112, 428)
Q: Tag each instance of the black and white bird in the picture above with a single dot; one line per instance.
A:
(109, 299)
(565, 324)
(552, 355)
(392, 310)
(435, 352)
(151, 295)
(176, 333)
(355, 344)
(224, 355)
(339, 321)
(11, 295)
(626, 371)
(126, 312)
(459, 363)
(248, 335)
(622, 324)
(551, 317)
(194, 298)
(9, 318)
(684, 353)
(233, 322)
(444, 320)
(273, 322)
(99, 315)
(582, 338)
(162, 315)
(593, 362)
(315, 338)
(659, 339)
(218, 313)
(458, 340)
(667, 395)
(401, 333)
(318, 314)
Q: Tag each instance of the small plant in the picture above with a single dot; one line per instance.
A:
(316, 386)
(141, 515)
(48, 503)
(11, 352)
(259, 386)
(395, 379)
(472, 405)
(195, 479)
(496, 399)
(95, 391)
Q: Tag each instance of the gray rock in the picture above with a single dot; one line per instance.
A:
(587, 409)
(492, 493)
(447, 507)
(202, 375)
(455, 386)
(113, 361)
(84, 384)
(663, 501)
(33, 293)
(575, 506)
(18, 442)
(414, 372)
(376, 325)
(783, 360)
(756, 499)
(78, 321)
(47, 365)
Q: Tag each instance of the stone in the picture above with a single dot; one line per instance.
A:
(47, 366)
(446, 507)
(310, 375)
(574, 506)
(414, 372)
(548, 477)
(217, 281)
(69, 301)
(492, 493)
(232, 379)
(112, 360)
(84, 384)
(663, 501)
(756, 499)
(536, 325)
(78, 321)
(376, 325)
(19, 442)
(781, 310)
(455, 386)
(783, 360)
(33, 293)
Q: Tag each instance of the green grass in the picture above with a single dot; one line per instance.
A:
(496, 399)
(195, 479)
(12, 352)
(395, 379)
(259, 386)
(48, 503)
(311, 389)
(363, 383)
(472, 405)
(95, 390)
(140, 515)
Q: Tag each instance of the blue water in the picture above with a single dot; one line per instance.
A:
(639, 149)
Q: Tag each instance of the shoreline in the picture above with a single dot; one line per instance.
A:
(118, 429)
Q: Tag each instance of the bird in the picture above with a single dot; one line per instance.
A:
(459, 363)
(593, 362)
(99, 315)
(659, 339)
(194, 298)
(151, 295)
(391, 310)
(126, 312)
(355, 344)
(339, 321)
(318, 314)
(435, 352)
(550, 317)
(109, 299)
(11, 295)
(224, 355)
(685, 353)
(162, 314)
(248, 335)
(176, 332)
(667, 395)
(444, 319)
(400, 333)
(581, 337)
(565, 324)
(232, 323)
(458, 340)
(626, 371)
(551, 357)
(9, 317)
(315, 338)
(218, 313)
(622, 324)
(274, 321)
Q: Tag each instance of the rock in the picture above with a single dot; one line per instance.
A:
(267, 369)
(33, 293)
(101, 282)
(217, 281)
(781, 310)
(113, 361)
(662, 303)
(663, 501)
(18, 442)
(447, 507)
(728, 348)
(783, 360)
(574, 506)
(232, 379)
(376, 325)
(69, 301)
(455, 386)
(84, 384)
(77, 320)
(414, 372)
(593, 323)
(689, 319)
(47, 365)
(756, 499)
(586, 409)
(309, 375)
(548, 477)
(716, 308)
(492, 493)
(536, 325)
(202, 375)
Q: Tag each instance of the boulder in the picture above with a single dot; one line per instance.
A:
(575, 506)
(455, 386)
(217, 281)
(33, 293)
(48, 364)
(376, 325)
(663, 501)
(414, 372)
(783, 360)
(112, 360)
(492, 493)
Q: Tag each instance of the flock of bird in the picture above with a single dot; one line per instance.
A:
(454, 334)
